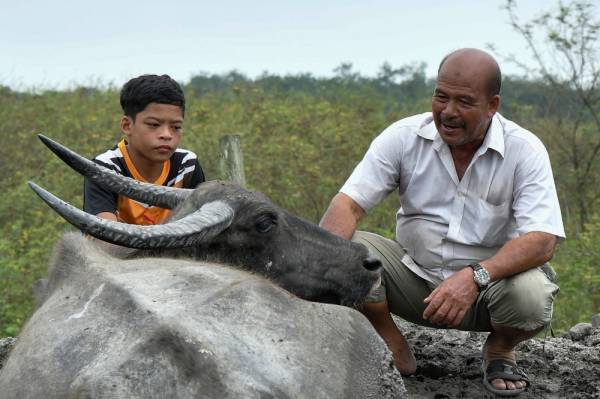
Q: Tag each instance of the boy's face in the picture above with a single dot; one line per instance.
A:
(155, 133)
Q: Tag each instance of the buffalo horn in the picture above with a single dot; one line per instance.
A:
(204, 224)
(161, 196)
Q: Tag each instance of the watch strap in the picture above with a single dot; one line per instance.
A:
(478, 271)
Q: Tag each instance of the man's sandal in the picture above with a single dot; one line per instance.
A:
(503, 369)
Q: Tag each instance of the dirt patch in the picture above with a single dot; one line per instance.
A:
(449, 364)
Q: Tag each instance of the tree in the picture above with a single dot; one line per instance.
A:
(564, 44)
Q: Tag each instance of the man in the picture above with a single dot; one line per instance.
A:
(479, 215)
(152, 122)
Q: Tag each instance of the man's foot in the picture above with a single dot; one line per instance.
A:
(404, 358)
(379, 315)
(502, 377)
(501, 374)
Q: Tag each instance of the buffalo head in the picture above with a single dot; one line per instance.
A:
(223, 222)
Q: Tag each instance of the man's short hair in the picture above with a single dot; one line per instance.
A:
(143, 90)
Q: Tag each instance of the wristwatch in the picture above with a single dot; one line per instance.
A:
(480, 275)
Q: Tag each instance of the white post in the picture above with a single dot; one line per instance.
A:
(232, 160)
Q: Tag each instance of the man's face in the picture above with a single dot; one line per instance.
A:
(155, 133)
(461, 105)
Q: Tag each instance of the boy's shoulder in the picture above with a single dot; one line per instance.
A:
(187, 154)
(183, 158)
(112, 159)
(185, 170)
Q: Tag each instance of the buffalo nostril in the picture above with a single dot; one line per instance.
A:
(372, 263)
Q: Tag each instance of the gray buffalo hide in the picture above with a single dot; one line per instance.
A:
(173, 328)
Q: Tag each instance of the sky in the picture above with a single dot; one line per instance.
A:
(63, 44)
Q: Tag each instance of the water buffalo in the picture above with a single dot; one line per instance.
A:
(224, 223)
(173, 319)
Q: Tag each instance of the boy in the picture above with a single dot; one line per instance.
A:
(153, 108)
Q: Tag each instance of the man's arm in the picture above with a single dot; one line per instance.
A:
(450, 301)
(342, 216)
(520, 254)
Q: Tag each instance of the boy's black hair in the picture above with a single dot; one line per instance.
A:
(143, 90)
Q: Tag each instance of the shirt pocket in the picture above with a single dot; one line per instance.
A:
(488, 223)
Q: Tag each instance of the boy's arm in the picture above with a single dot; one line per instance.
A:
(94, 197)
(107, 215)
(197, 176)
(98, 201)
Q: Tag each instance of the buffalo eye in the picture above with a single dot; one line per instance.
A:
(265, 224)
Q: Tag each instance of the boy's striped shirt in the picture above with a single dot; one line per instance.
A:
(181, 170)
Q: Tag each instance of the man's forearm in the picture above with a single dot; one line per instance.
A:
(520, 254)
(342, 216)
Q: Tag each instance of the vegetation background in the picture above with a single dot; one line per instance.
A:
(301, 137)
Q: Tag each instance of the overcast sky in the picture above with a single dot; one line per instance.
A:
(64, 43)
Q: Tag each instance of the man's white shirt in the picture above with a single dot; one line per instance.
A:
(445, 223)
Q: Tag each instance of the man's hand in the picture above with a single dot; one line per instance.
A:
(450, 301)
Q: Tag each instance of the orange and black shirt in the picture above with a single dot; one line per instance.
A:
(181, 170)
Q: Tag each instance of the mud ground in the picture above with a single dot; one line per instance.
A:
(449, 364)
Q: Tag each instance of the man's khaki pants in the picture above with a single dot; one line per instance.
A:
(523, 301)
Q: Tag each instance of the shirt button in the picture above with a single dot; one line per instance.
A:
(461, 194)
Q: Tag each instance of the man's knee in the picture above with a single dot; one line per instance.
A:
(523, 301)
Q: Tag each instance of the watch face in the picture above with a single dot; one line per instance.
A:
(482, 277)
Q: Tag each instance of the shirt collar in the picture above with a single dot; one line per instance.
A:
(494, 139)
